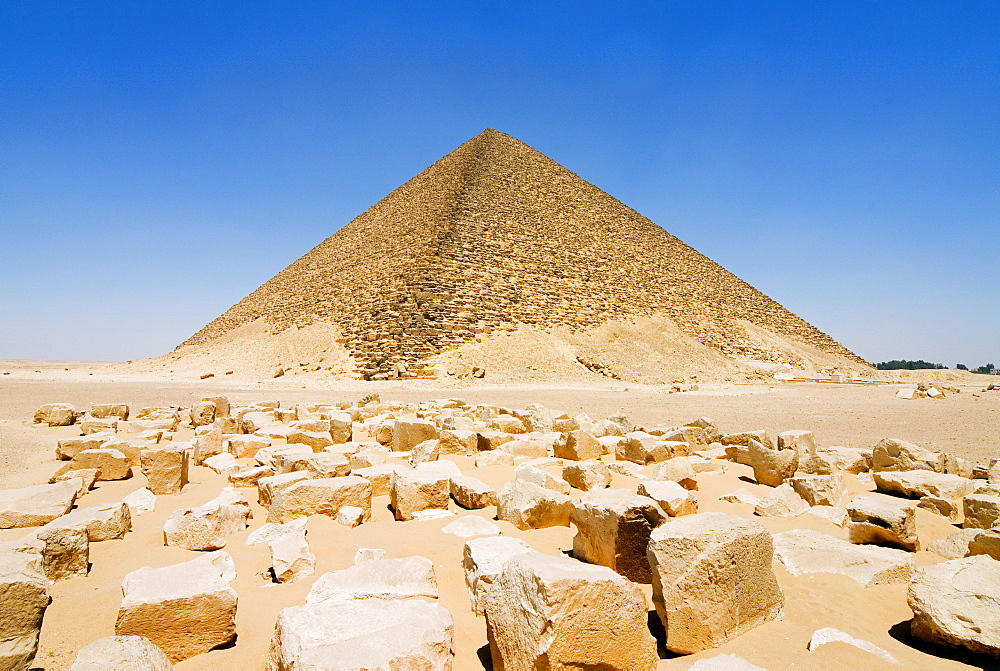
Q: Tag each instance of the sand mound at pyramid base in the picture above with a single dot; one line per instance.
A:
(644, 350)
(647, 350)
(255, 351)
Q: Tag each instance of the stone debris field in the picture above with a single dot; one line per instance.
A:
(440, 535)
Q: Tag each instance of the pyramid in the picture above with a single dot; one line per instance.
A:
(493, 237)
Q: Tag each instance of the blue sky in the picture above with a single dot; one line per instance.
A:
(160, 160)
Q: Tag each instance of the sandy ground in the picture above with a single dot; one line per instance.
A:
(83, 609)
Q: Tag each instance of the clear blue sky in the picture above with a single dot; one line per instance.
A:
(160, 160)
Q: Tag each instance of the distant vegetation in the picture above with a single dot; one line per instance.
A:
(920, 364)
(901, 364)
(988, 369)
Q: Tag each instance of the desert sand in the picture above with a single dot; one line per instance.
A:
(84, 609)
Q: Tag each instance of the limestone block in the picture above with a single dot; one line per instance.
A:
(165, 468)
(65, 552)
(121, 653)
(981, 511)
(110, 521)
(291, 558)
(781, 502)
(741, 495)
(644, 448)
(341, 427)
(321, 425)
(209, 526)
(557, 613)
(712, 579)
(316, 440)
(803, 442)
(24, 596)
(696, 437)
(627, 468)
(368, 554)
(993, 472)
(321, 465)
(587, 475)
(208, 444)
(269, 531)
(577, 445)
(441, 466)
(470, 526)
(985, 543)
(367, 458)
(673, 499)
(140, 501)
(55, 414)
(423, 452)
(369, 634)
(492, 440)
(351, 516)
(507, 424)
(471, 493)
(246, 446)
(849, 460)
(954, 546)
(530, 446)
(202, 413)
(528, 506)
(70, 447)
(483, 559)
(249, 476)
(269, 486)
(106, 410)
(819, 490)
(883, 520)
(709, 426)
(458, 441)
(111, 464)
(816, 464)
(90, 425)
(743, 438)
(919, 483)
(536, 475)
(406, 433)
(772, 467)
(84, 478)
(325, 496)
(957, 603)
(826, 635)
(380, 477)
(36, 505)
(610, 443)
(613, 527)
(537, 417)
(494, 458)
(898, 455)
(185, 609)
(281, 456)
(837, 516)
(404, 578)
(414, 491)
(679, 470)
(806, 551)
(223, 464)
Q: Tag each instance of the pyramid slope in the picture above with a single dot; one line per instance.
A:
(496, 235)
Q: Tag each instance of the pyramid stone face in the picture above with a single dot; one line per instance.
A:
(495, 235)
